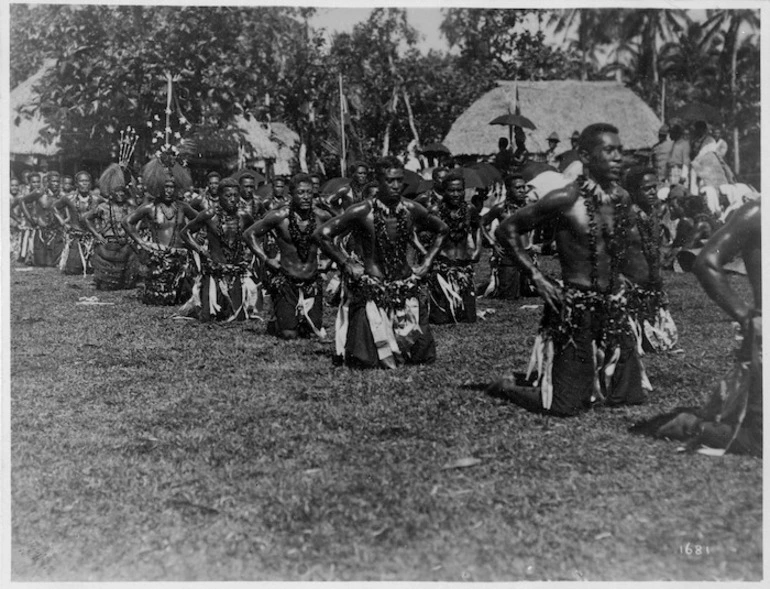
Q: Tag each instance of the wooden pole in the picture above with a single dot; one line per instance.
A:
(343, 150)
(169, 88)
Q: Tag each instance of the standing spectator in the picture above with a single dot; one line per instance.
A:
(550, 154)
(503, 158)
(660, 154)
(679, 158)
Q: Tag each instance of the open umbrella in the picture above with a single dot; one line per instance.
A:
(697, 111)
(265, 190)
(258, 178)
(412, 182)
(333, 185)
(473, 178)
(489, 174)
(435, 148)
(513, 120)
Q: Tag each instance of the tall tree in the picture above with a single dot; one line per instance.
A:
(223, 61)
(594, 28)
(732, 20)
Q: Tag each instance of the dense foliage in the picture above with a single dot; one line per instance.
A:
(113, 63)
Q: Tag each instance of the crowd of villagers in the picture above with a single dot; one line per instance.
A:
(393, 265)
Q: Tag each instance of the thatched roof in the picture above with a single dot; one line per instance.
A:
(560, 106)
(287, 140)
(27, 124)
(257, 135)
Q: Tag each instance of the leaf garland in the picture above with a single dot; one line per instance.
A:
(391, 251)
(459, 226)
(301, 239)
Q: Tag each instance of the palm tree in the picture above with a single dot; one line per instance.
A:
(694, 60)
(733, 19)
(595, 27)
(651, 26)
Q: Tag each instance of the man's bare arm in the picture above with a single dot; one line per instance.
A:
(201, 220)
(266, 224)
(742, 230)
(88, 218)
(131, 222)
(511, 232)
(338, 226)
(429, 222)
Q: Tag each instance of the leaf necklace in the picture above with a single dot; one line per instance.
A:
(231, 240)
(301, 239)
(172, 210)
(392, 251)
(457, 220)
(651, 234)
(614, 238)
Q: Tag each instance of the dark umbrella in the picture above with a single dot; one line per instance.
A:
(472, 178)
(697, 111)
(489, 174)
(412, 182)
(333, 185)
(258, 178)
(513, 120)
(265, 190)
(436, 148)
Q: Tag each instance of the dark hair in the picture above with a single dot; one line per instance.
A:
(297, 180)
(370, 186)
(33, 174)
(502, 143)
(676, 132)
(635, 176)
(228, 182)
(282, 178)
(700, 127)
(213, 174)
(452, 176)
(590, 137)
(438, 170)
(358, 164)
(508, 180)
(388, 162)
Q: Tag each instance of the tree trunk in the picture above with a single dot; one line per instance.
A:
(733, 35)
(411, 117)
(663, 100)
(389, 126)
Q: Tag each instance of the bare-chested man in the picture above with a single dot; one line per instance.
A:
(654, 327)
(732, 419)
(353, 192)
(247, 202)
(209, 196)
(225, 268)
(44, 241)
(452, 284)
(293, 280)
(79, 244)
(383, 319)
(506, 280)
(114, 259)
(169, 272)
(585, 350)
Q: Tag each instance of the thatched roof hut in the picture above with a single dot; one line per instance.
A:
(287, 141)
(560, 106)
(28, 135)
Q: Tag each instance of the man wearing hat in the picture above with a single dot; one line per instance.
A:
(569, 161)
(550, 154)
(660, 153)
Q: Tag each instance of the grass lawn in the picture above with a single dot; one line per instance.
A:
(148, 448)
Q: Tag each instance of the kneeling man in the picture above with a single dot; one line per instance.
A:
(292, 279)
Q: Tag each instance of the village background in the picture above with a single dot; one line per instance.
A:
(145, 449)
